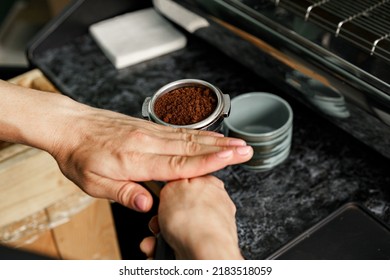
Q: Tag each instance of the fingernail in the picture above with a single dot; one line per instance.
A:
(225, 154)
(244, 150)
(153, 225)
(237, 142)
(141, 202)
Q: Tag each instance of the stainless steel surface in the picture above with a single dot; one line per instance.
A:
(363, 22)
(332, 55)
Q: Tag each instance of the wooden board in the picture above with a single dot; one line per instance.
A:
(29, 182)
(43, 244)
(93, 234)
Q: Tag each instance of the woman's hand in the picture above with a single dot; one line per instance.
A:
(113, 152)
(197, 219)
(106, 153)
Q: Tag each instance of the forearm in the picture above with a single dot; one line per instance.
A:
(32, 117)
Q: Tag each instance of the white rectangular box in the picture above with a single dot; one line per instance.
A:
(136, 36)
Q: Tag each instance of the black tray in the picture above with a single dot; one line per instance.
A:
(73, 22)
(349, 233)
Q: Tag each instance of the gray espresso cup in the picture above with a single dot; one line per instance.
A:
(264, 121)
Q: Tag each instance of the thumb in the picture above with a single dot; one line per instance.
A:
(134, 196)
(129, 194)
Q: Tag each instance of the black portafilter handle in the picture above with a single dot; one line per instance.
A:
(163, 251)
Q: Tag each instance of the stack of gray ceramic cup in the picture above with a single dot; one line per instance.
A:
(264, 121)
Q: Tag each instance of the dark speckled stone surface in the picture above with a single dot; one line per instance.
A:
(326, 167)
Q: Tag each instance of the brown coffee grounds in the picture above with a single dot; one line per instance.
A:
(186, 105)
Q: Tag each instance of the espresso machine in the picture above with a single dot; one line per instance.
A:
(332, 55)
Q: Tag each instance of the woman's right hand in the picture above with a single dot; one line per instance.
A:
(197, 219)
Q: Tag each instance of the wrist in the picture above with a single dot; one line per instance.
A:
(209, 247)
(217, 248)
(61, 126)
(35, 118)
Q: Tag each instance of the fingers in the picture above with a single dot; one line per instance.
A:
(187, 143)
(212, 181)
(146, 132)
(204, 137)
(177, 167)
(134, 196)
(147, 246)
(178, 147)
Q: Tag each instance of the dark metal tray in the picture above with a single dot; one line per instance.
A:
(71, 23)
(349, 233)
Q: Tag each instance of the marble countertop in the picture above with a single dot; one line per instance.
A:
(326, 167)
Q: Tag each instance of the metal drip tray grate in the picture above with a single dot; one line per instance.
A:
(366, 23)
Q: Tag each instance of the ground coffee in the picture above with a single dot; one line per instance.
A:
(186, 105)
